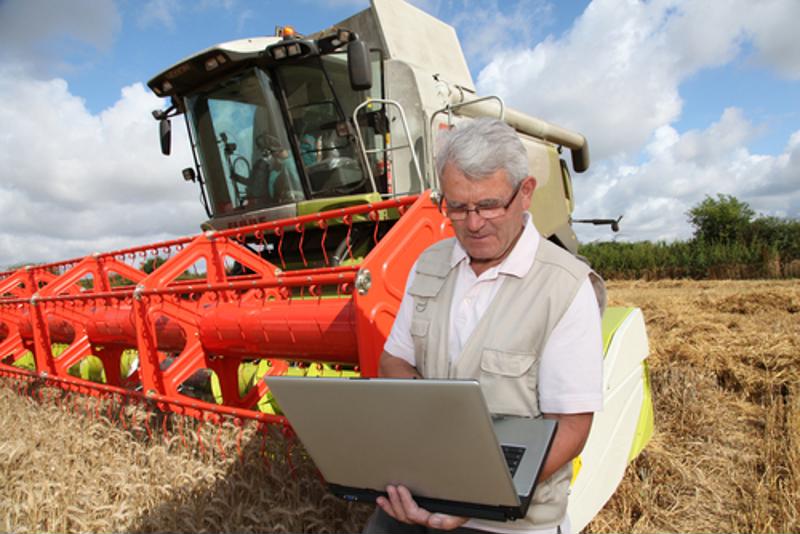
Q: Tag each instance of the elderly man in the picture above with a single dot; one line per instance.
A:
(500, 304)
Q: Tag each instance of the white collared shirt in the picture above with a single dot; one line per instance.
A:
(570, 370)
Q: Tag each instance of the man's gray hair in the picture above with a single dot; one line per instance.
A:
(481, 147)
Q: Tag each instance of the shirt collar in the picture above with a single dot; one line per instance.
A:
(518, 262)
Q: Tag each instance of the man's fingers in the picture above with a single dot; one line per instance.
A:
(411, 508)
(422, 516)
(401, 506)
(395, 501)
(386, 504)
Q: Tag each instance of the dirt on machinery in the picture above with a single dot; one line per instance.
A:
(725, 456)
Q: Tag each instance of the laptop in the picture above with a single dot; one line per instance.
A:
(436, 437)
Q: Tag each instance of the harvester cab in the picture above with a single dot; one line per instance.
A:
(270, 121)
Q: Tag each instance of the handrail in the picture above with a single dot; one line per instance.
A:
(404, 121)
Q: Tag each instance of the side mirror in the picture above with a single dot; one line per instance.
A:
(359, 66)
(165, 132)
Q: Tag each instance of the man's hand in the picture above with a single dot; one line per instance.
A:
(401, 506)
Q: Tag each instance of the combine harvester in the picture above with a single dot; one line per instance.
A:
(313, 155)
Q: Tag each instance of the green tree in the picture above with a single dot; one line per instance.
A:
(781, 234)
(151, 264)
(721, 220)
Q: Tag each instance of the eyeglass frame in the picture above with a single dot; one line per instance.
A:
(477, 210)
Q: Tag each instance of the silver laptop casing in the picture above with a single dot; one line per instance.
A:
(436, 437)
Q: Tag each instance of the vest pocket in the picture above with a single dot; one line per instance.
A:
(507, 383)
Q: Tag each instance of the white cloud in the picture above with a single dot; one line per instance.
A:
(679, 171)
(75, 183)
(595, 79)
(727, 136)
(773, 25)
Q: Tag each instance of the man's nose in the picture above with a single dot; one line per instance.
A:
(474, 221)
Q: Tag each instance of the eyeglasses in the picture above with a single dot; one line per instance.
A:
(492, 211)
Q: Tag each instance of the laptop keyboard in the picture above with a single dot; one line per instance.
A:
(513, 456)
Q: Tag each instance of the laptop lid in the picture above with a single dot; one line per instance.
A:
(435, 437)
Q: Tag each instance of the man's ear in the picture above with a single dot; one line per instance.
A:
(527, 188)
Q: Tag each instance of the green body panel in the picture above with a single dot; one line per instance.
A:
(127, 361)
(89, 368)
(646, 424)
(613, 319)
(26, 362)
(311, 207)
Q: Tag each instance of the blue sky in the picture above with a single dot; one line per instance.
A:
(679, 99)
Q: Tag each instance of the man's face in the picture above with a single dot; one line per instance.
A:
(486, 241)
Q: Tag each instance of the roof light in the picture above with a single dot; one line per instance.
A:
(288, 31)
(211, 63)
(279, 52)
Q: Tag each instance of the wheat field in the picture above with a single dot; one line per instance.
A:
(725, 456)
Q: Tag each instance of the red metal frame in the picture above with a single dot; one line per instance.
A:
(218, 322)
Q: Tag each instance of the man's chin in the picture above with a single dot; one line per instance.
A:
(481, 255)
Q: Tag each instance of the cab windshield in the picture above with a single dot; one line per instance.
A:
(240, 137)
(256, 152)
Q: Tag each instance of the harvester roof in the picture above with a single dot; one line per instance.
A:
(178, 78)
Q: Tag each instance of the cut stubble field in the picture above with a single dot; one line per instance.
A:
(725, 456)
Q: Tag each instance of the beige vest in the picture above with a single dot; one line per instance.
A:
(504, 350)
